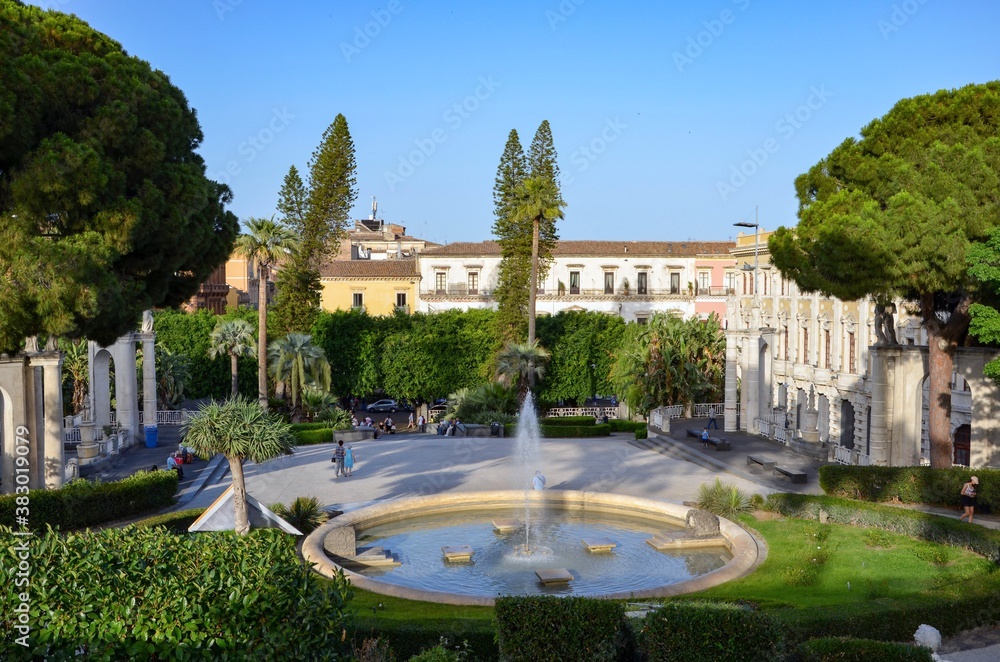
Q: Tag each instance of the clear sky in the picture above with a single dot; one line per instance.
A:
(655, 107)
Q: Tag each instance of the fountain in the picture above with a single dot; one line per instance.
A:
(467, 548)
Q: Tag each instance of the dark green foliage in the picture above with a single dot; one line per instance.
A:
(934, 528)
(189, 334)
(144, 593)
(909, 484)
(844, 649)
(301, 427)
(408, 639)
(305, 513)
(82, 503)
(710, 632)
(983, 260)
(332, 179)
(568, 431)
(175, 522)
(515, 264)
(642, 433)
(561, 628)
(583, 347)
(311, 437)
(105, 204)
(568, 420)
(621, 425)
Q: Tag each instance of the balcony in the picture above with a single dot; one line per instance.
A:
(620, 293)
(456, 290)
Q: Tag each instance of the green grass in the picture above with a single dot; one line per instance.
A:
(400, 610)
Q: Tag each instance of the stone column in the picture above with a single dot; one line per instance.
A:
(14, 413)
(126, 397)
(50, 437)
(751, 382)
(732, 395)
(883, 360)
(150, 430)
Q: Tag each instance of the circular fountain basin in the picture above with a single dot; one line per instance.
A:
(415, 529)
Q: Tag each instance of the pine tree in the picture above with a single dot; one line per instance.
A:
(542, 166)
(511, 292)
(292, 202)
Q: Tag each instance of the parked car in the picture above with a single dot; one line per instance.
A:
(386, 404)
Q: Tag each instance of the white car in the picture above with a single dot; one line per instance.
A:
(384, 405)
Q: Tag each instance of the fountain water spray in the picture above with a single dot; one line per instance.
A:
(528, 455)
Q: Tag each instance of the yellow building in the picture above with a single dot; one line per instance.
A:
(378, 287)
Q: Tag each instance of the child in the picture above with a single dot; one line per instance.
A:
(349, 459)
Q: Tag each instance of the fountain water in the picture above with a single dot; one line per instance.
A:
(527, 448)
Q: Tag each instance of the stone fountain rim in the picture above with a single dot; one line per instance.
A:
(748, 550)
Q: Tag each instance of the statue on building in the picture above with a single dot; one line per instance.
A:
(31, 345)
(885, 325)
(147, 321)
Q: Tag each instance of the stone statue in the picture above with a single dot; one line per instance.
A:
(147, 321)
(31, 345)
(885, 325)
(879, 323)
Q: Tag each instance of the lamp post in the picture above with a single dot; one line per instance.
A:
(752, 357)
(756, 244)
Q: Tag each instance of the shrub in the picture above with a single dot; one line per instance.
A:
(621, 425)
(912, 523)
(443, 652)
(568, 420)
(176, 523)
(710, 632)
(301, 427)
(143, 593)
(909, 484)
(374, 650)
(843, 649)
(312, 437)
(551, 628)
(406, 639)
(641, 433)
(723, 499)
(304, 513)
(82, 503)
(564, 431)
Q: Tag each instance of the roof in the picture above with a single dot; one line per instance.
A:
(597, 248)
(369, 269)
(221, 516)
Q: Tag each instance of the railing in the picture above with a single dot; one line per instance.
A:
(674, 411)
(781, 434)
(71, 436)
(864, 460)
(701, 409)
(596, 412)
(842, 455)
(764, 427)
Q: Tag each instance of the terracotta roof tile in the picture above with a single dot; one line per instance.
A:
(369, 269)
(598, 248)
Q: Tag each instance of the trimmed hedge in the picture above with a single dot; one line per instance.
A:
(299, 427)
(544, 627)
(145, 593)
(642, 433)
(845, 649)
(409, 639)
(312, 437)
(564, 431)
(177, 522)
(913, 523)
(621, 425)
(82, 503)
(568, 420)
(909, 484)
(710, 632)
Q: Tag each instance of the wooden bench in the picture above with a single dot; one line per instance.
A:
(793, 475)
(720, 444)
(767, 464)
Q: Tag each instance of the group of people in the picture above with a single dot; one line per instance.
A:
(450, 428)
(344, 459)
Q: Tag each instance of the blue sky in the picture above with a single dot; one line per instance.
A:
(672, 120)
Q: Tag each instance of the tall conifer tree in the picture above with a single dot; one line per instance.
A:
(542, 164)
(515, 246)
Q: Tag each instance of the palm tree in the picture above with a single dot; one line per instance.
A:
(265, 244)
(297, 363)
(173, 371)
(76, 367)
(235, 339)
(239, 429)
(519, 364)
(538, 200)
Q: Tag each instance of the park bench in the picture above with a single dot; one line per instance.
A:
(720, 444)
(794, 475)
(765, 463)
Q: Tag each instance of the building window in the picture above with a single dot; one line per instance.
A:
(440, 283)
(641, 320)
(473, 282)
(786, 344)
(609, 282)
(805, 346)
(730, 282)
(852, 356)
(400, 299)
(675, 282)
(641, 286)
(359, 300)
(704, 281)
(826, 348)
(574, 282)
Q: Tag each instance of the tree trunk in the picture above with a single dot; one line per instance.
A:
(262, 337)
(533, 285)
(236, 381)
(942, 339)
(241, 519)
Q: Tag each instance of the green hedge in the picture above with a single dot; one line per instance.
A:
(144, 593)
(642, 433)
(845, 649)
(913, 523)
(909, 484)
(82, 503)
(409, 639)
(176, 522)
(564, 431)
(568, 420)
(299, 427)
(710, 632)
(536, 628)
(311, 437)
(621, 425)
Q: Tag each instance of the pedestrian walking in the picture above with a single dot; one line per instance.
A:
(409, 422)
(968, 495)
(711, 418)
(422, 423)
(338, 456)
(349, 458)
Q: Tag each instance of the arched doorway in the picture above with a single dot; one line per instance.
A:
(962, 444)
(846, 424)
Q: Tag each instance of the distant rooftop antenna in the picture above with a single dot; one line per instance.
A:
(374, 208)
